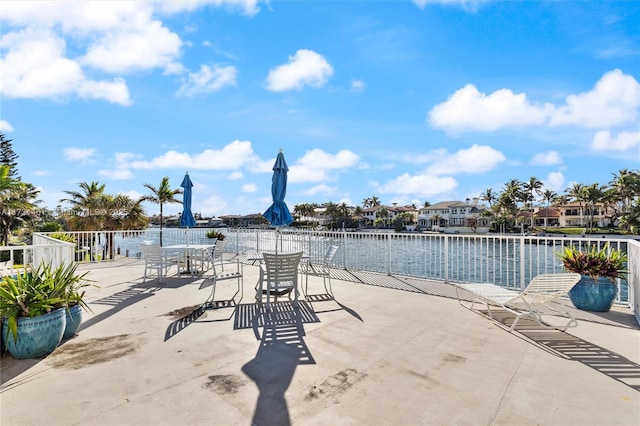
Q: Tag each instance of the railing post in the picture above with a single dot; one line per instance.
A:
(446, 259)
(523, 282)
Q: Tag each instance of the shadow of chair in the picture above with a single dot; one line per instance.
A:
(279, 276)
(282, 349)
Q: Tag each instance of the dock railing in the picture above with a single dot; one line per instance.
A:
(507, 260)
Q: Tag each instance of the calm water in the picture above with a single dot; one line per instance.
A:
(510, 262)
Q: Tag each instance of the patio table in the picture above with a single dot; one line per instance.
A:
(193, 254)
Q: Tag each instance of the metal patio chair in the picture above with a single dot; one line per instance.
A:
(542, 296)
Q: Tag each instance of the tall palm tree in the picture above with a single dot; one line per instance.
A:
(577, 192)
(594, 195)
(161, 195)
(549, 196)
(532, 188)
(87, 207)
(488, 196)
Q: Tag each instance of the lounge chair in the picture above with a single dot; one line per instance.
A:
(542, 296)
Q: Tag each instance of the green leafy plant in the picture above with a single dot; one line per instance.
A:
(215, 234)
(37, 291)
(594, 262)
(64, 237)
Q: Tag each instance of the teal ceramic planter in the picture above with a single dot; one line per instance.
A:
(73, 318)
(37, 336)
(596, 296)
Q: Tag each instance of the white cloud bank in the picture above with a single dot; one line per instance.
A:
(64, 49)
(613, 101)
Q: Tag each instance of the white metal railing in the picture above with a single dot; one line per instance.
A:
(44, 249)
(507, 260)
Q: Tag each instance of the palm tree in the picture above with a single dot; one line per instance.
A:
(594, 195)
(161, 195)
(87, 207)
(577, 193)
(549, 196)
(15, 201)
(532, 188)
(383, 214)
(488, 196)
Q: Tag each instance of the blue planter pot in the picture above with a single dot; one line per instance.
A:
(37, 336)
(590, 295)
(73, 318)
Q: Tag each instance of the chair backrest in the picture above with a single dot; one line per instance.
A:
(218, 249)
(6, 268)
(331, 252)
(281, 267)
(151, 252)
(552, 283)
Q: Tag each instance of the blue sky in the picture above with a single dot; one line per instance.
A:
(405, 100)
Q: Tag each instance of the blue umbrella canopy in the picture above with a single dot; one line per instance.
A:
(278, 214)
(187, 220)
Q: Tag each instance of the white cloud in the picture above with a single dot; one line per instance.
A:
(357, 86)
(305, 68)
(470, 5)
(134, 46)
(114, 37)
(208, 80)
(83, 155)
(624, 141)
(468, 109)
(320, 189)
(35, 67)
(317, 165)
(550, 158)
(555, 182)
(614, 100)
(5, 126)
(422, 185)
(249, 187)
(476, 159)
(116, 174)
(235, 175)
(232, 156)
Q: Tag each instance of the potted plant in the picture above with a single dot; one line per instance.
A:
(215, 234)
(600, 268)
(33, 305)
(74, 298)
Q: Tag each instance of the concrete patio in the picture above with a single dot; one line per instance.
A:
(390, 352)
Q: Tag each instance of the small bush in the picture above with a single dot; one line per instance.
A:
(215, 234)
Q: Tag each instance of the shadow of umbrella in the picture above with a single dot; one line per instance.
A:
(278, 213)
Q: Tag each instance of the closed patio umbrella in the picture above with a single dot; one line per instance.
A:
(187, 220)
(278, 214)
